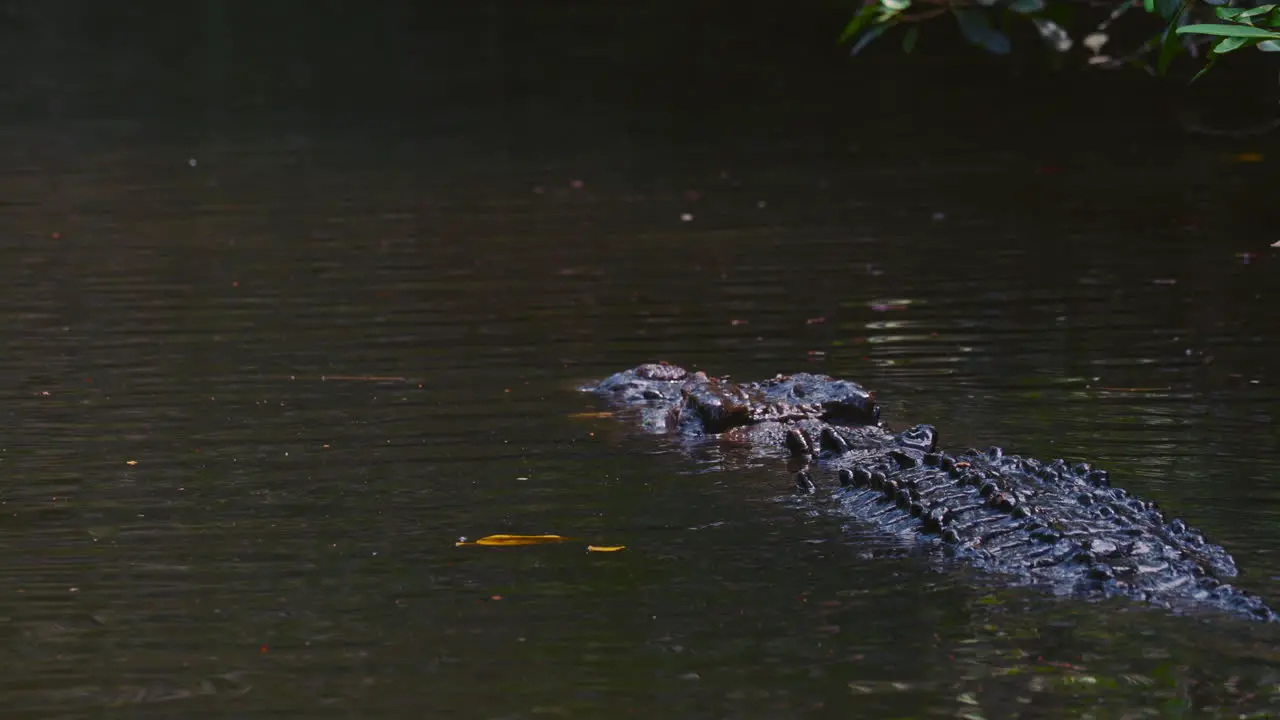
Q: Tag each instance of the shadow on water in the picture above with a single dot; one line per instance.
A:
(259, 379)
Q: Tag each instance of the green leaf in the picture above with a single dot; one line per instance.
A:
(850, 29)
(1220, 30)
(1170, 46)
(1149, 5)
(856, 23)
(1260, 10)
(896, 6)
(867, 38)
(909, 40)
(1228, 13)
(1269, 46)
(1230, 44)
(976, 29)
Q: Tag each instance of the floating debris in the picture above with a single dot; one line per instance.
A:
(512, 540)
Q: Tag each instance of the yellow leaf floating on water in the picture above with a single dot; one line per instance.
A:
(1247, 157)
(590, 415)
(514, 540)
(519, 540)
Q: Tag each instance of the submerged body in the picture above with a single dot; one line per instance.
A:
(1049, 524)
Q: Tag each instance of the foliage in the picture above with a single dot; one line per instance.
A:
(1208, 28)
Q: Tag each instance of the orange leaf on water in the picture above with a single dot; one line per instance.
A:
(514, 540)
(605, 548)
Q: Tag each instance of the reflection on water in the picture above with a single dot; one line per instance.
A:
(253, 393)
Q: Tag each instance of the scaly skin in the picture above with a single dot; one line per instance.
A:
(1051, 525)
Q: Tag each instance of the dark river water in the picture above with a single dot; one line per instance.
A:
(257, 385)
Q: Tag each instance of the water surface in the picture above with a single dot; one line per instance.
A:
(256, 387)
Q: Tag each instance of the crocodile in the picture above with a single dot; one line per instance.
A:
(1053, 525)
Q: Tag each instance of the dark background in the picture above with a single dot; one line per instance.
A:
(410, 64)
